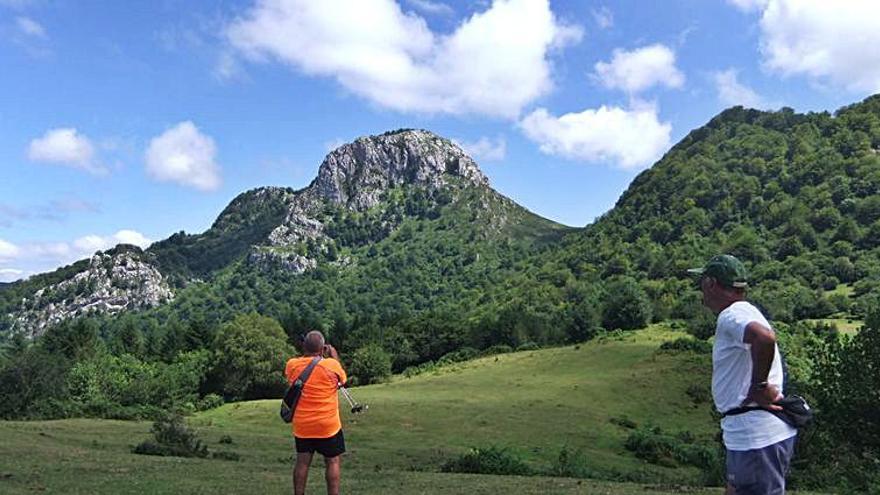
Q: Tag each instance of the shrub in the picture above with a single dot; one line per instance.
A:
(370, 364)
(209, 401)
(572, 464)
(488, 460)
(251, 352)
(497, 349)
(528, 346)
(671, 450)
(172, 438)
(687, 344)
(463, 354)
(627, 306)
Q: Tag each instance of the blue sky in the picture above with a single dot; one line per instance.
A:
(129, 121)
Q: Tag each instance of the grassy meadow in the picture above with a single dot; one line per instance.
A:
(534, 403)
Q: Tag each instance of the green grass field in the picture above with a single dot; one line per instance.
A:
(533, 402)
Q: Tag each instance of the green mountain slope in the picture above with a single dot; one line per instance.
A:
(795, 196)
(535, 403)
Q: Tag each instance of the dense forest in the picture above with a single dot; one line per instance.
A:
(431, 276)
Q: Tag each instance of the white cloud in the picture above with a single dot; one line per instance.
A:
(749, 5)
(832, 42)
(8, 250)
(65, 146)
(87, 245)
(228, 68)
(628, 138)
(39, 257)
(30, 27)
(494, 63)
(11, 274)
(184, 155)
(640, 69)
(485, 149)
(732, 92)
(604, 17)
(430, 7)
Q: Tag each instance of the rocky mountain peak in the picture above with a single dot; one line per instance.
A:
(355, 174)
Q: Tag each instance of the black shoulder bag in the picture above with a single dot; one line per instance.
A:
(291, 397)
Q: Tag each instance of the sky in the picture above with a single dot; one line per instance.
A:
(130, 121)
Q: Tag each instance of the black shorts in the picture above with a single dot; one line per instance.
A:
(327, 447)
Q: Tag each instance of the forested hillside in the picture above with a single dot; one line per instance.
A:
(404, 256)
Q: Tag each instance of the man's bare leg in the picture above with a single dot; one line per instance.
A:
(333, 466)
(730, 490)
(301, 473)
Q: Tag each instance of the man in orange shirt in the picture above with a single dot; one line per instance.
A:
(316, 424)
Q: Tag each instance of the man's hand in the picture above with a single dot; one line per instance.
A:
(764, 395)
(330, 351)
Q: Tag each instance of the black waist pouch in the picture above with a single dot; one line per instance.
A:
(795, 411)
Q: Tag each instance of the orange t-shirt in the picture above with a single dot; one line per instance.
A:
(317, 412)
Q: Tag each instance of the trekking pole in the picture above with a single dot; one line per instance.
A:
(355, 407)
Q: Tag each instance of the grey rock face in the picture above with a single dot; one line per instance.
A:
(111, 283)
(293, 262)
(356, 174)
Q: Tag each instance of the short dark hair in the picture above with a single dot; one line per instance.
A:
(313, 342)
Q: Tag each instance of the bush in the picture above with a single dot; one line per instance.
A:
(209, 401)
(528, 346)
(488, 460)
(671, 450)
(172, 438)
(687, 344)
(463, 354)
(627, 306)
(418, 370)
(251, 353)
(370, 364)
(497, 349)
(572, 464)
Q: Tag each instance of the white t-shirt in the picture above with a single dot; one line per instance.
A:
(732, 378)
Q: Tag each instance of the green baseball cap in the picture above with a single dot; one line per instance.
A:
(726, 269)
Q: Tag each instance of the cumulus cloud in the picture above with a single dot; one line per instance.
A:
(184, 155)
(485, 149)
(65, 146)
(11, 274)
(431, 8)
(627, 138)
(30, 27)
(748, 5)
(732, 92)
(637, 70)
(87, 245)
(17, 261)
(8, 250)
(494, 63)
(829, 42)
(604, 17)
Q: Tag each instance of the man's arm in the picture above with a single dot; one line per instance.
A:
(763, 348)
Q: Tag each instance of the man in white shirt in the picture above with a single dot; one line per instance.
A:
(746, 371)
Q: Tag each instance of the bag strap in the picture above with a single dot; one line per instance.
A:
(303, 377)
(744, 409)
